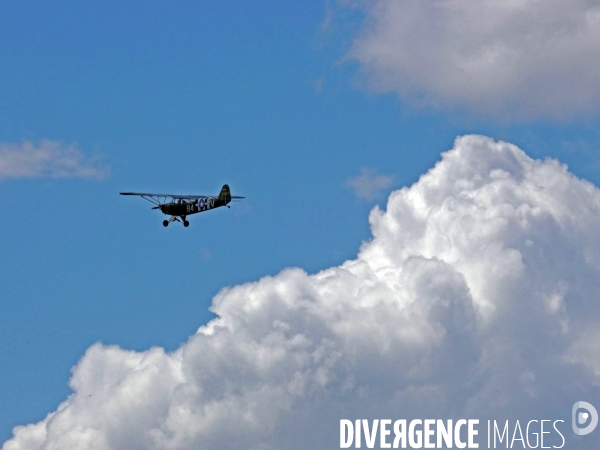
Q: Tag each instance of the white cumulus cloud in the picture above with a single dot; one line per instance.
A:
(517, 59)
(477, 297)
(48, 159)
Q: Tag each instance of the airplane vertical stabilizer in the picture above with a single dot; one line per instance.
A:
(225, 194)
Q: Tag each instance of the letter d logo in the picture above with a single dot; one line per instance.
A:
(582, 417)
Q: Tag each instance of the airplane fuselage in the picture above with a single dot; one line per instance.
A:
(184, 208)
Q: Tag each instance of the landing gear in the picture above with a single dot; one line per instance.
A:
(176, 219)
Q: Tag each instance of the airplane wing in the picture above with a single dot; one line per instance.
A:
(159, 199)
(174, 196)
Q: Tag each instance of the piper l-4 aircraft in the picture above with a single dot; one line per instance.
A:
(181, 206)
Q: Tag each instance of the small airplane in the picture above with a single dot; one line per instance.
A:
(181, 206)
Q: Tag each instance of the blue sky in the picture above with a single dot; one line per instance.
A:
(183, 98)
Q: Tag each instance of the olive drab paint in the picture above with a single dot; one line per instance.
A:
(181, 206)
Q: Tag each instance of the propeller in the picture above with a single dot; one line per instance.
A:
(156, 207)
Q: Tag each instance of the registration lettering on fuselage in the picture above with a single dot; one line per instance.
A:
(203, 204)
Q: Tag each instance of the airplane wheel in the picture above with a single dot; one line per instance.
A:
(165, 223)
(186, 223)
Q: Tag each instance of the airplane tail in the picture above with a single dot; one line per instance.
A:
(225, 194)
